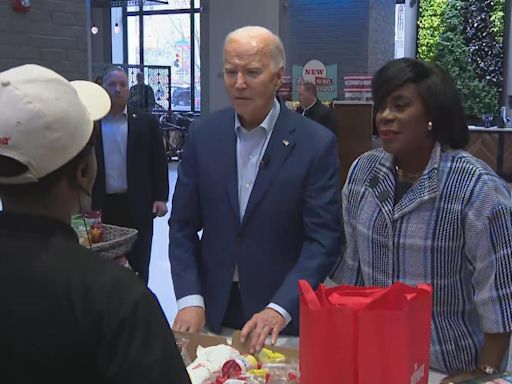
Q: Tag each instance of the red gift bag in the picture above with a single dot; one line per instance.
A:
(356, 335)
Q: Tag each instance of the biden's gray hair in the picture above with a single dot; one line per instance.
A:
(278, 52)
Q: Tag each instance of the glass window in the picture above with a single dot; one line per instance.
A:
(133, 39)
(171, 5)
(166, 45)
(167, 42)
(197, 62)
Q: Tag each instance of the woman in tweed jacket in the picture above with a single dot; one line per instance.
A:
(423, 210)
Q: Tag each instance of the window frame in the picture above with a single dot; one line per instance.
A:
(191, 11)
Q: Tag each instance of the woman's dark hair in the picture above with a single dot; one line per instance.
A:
(436, 87)
(10, 168)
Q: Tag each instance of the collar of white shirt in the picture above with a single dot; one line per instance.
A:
(308, 108)
(268, 123)
(123, 114)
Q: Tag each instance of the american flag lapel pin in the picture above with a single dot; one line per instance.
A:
(286, 142)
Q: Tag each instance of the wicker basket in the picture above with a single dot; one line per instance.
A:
(117, 241)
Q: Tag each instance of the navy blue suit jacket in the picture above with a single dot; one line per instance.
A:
(291, 229)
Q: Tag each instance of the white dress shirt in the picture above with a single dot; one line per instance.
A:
(114, 131)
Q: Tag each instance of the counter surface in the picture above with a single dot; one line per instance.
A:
(293, 342)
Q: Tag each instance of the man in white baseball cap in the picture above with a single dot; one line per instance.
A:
(66, 314)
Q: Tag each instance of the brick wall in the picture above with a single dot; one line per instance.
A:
(52, 34)
(355, 34)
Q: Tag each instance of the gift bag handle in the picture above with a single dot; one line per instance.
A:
(309, 296)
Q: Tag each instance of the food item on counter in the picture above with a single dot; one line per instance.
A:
(209, 362)
(268, 356)
(234, 367)
(285, 372)
(222, 364)
(261, 373)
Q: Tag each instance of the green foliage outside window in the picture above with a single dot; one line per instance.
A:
(466, 38)
(498, 20)
(430, 26)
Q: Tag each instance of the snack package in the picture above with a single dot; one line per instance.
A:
(79, 225)
(89, 227)
(232, 369)
(242, 379)
(281, 373)
(93, 220)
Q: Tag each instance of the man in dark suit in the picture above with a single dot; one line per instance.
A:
(141, 97)
(313, 108)
(262, 184)
(132, 186)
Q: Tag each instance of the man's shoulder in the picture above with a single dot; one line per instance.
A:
(223, 114)
(305, 128)
(68, 264)
(371, 158)
(364, 166)
(88, 271)
(208, 126)
(138, 118)
(316, 107)
(140, 115)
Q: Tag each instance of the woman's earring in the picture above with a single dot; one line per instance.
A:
(429, 126)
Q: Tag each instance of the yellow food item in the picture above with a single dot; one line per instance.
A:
(259, 372)
(268, 356)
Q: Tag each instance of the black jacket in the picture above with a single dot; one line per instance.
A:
(69, 316)
(148, 178)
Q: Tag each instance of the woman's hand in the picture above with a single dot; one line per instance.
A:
(463, 376)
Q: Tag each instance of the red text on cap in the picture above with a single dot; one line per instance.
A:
(4, 140)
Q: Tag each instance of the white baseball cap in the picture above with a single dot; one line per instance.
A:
(45, 120)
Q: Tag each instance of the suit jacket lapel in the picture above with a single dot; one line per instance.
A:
(100, 155)
(99, 188)
(280, 146)
(227, 159)
(131, 140)
(382, 184)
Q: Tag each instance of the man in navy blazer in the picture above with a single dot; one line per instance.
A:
(262, 184)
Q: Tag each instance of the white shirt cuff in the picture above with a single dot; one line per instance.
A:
(282, 312)
(190, 301)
